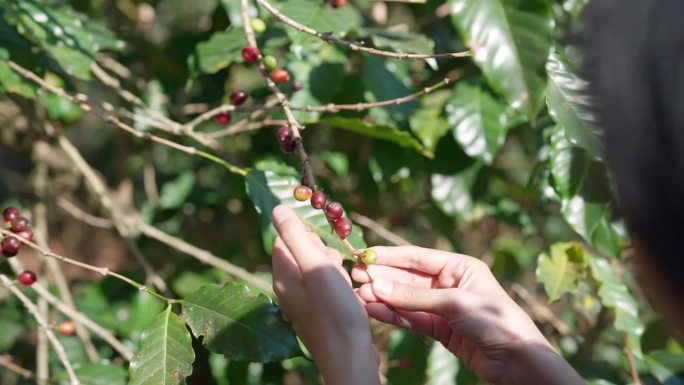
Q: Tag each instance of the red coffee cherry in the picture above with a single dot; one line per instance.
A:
(20, 224)
(333, 211)
(26, 234)
(67, 328)
(318, 200)
(302, 193)
(238, 98)
(223, 118)
(286, 139)
(343, 227)
(250, 54)
(10, 214)
(280, 76)
(27, 277)
(338, 3)
(10, 246)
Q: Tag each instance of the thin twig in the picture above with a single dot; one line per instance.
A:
(7, 362)
(329, 38)
(634, 372)
(56, 345)
(540, 310)
(74, 314)
(379, 229)
(42, 347)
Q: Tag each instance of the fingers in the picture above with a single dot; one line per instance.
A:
(419, 322)
(295, 235)
(444, 302)
(287, 279)
(366, 274)
(419, 258)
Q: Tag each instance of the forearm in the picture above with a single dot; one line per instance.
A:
(357, 364)
(540, 364)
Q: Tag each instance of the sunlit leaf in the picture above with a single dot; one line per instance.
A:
(567, 163)
(561, 271)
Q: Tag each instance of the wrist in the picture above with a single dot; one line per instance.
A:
(354, 360)
(539, 363)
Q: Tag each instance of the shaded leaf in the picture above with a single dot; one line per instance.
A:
(452, 193)
(615, 295)
(399, 41)
(567, 163)
(510, 41)
(239, 323)
(175, 193)
(386, 80)
(442, 366)
(561, 271)
(570, 106)
(379, 131)
(592, 221)
(98, 374)
(271, 184)
(479, 122)
(68, 37)
(165, 354)
(217, 53)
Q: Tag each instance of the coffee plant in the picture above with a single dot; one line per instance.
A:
(144, 144)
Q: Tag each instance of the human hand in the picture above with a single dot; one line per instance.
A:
(315, 294)
(456, 300)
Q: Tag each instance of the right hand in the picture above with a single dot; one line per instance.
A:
(456, 300)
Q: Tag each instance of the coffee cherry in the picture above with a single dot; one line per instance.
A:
(280, 75)
(338, 3)
(10, 214)
(343, 227)
(369, 256)
(10, 246)
(318, 200)
(238, 98)
(286, 139)
(26, 234)
(258, 25)
(223, 118)
(302, 193)
(333, 211)
(250, 54)
(296, 86)
(66, 328)
(20, 224)
(270, 62)
(27, 277)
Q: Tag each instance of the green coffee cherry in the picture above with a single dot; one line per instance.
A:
(369, 256)
(258, 25)
(270, 62)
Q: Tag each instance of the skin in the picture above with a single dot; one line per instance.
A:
(452, 298)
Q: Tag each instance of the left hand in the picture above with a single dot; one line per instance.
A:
(316, 295)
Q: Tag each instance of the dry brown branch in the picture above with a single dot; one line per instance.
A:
(328, 38)
(42, 323)
(379, 229)
(7, 362)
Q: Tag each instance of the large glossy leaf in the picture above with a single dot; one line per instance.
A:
(165, 354)
(98, 374)
(68, 37)
(592, 220)
(442, 366)
(240, 323)
(271, 184)
(615, 295)
(479, 121)
(385, 80)
(379, 131)
(510, 41)
(567, 163)
(427, 122)
(218, 52)
(452, 193)
(561, 271)
(570, 106)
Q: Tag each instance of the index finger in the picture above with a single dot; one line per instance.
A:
(417, 258)
(298, 239)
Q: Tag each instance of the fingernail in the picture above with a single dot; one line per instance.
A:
(383, 288)
(280, 214)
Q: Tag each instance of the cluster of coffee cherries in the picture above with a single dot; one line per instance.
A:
(17, 224)
(237, 98)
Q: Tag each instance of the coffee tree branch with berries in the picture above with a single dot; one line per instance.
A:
(145, 144)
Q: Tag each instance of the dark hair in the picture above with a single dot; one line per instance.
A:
(635, 64)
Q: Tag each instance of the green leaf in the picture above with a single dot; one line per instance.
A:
(442, 366)
(568, 164)
(406, 349)
(175, 193)
(386, 80)
(592, 221)
(399, 41)
(560, 273)
(379, 131)
(70, 38)
(217, 53)
(510, 41)
(615, 295)
(452, 193)
(165, 354)
(11, 81)
(144, 309)
(98, 374)
(238, 322)
(427, 122)
(570, 106)
(272, 184)
(478, 120)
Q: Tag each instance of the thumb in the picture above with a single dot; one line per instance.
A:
(443, 302)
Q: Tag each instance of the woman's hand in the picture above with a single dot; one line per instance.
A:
(456, 300)
(315, 294)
